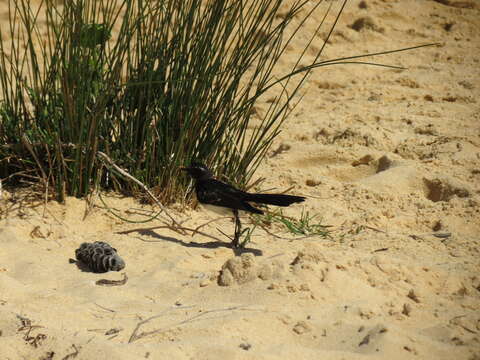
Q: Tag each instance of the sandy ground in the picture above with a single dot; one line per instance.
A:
(388, 158)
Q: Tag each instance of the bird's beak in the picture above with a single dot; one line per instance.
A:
(183, 168)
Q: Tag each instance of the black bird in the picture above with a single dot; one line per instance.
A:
(211, 191)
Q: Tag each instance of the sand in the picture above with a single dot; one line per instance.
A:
(389, 158)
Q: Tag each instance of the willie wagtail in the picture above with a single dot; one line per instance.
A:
(215, 192)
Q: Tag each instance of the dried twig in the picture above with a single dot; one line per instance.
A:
(223, 233)
(134, 335)
(195, 317)
(110, 163)
(106, 282)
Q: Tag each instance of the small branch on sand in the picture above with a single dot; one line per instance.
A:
(106, 282)
(135, 336)
(110, 163)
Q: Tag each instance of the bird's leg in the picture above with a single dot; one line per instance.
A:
(238, 229)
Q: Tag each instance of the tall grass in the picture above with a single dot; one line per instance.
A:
(152, 84)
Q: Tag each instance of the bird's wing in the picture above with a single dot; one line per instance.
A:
(216, 192)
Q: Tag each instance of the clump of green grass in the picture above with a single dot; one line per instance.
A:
(153, 85)
(305, 225)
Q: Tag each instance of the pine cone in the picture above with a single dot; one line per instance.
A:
(99, 257)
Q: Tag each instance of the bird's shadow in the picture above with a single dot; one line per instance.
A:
(207, 245)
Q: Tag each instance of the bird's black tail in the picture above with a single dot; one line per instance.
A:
(274, 199)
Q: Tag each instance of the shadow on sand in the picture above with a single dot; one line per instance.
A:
(207, 245)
